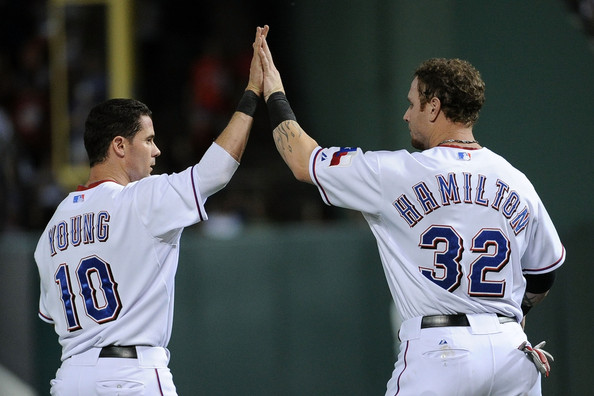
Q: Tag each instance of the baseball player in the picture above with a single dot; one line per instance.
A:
(108, 256)
(466, 244)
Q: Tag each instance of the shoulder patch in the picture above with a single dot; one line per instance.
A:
(343, 157)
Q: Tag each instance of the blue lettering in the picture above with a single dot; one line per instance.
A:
(502, 189)
(520, 222)
(480, 191)
(407, 211)
(425, 198)
(448, 189)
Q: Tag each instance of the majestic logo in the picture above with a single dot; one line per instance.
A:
(343, 156)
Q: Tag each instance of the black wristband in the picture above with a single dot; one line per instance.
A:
(248, 103)
(279, 109)
(540, 283)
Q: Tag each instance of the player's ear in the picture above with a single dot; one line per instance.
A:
(434, 108)
(118, 145)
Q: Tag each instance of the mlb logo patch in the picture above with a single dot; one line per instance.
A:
(343, 157)
(78, 198)
(464, 156)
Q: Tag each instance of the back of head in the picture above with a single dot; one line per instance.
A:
(114, 117)
(458, 86)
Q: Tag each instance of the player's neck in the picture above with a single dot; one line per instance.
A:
(457, 135)
(105, 171)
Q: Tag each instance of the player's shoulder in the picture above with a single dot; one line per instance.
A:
(502, 162)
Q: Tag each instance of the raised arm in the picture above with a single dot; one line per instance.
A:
(219, 163)
(235, 135)
(293, 144)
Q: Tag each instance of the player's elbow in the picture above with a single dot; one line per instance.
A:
(300, 168)
(302, 174)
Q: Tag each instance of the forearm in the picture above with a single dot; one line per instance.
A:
(293, 144)
(537, 288)
(532, 299)
(235, 136)
(295, 147)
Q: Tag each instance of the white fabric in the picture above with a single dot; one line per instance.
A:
(108, 257)
(215, 170)
(482, 359)
(381, 184)
(87, 374)
(456, 231)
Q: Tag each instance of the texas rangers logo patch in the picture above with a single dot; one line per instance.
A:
(343, 157)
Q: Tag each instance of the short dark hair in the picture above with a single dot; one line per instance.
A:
(456, 83)
(114, 117)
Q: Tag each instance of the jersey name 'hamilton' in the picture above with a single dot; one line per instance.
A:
(86, 229)
(449, 192)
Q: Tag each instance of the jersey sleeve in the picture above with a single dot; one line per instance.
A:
(545, 253)
(215, 170)
(347, 177)
(166, 204)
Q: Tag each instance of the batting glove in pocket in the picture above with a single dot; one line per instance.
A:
(539, 356)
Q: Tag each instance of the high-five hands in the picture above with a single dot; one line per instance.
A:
(272, 79)
(256, 78)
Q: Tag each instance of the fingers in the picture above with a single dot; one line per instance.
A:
(261, 34)
(266, 57)
(258, 39)
(264, 31)
(264, 60)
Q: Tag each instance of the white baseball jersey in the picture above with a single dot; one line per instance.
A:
(108, 257)
(456, 228)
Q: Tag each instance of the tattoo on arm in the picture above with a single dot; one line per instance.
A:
(531, 299)
(281, 134)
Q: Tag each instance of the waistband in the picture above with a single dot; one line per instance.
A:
(117, 351)
(455, 320)
(147, 356)
(476, 324)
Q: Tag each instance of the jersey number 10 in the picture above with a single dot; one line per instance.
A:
(94, 276)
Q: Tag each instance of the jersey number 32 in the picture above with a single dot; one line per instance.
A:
(447, 271)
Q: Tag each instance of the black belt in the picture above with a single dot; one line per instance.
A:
(454, 320)
(114, 351)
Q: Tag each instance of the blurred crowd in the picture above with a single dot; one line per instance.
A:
(191, 68)
(24, 119)
(192, 61)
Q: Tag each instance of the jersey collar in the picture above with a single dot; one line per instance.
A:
(459, 147)
(92, 185)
